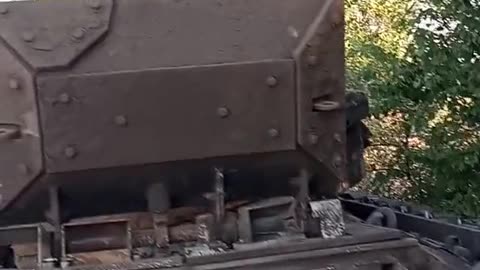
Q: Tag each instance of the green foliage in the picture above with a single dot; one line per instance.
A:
(423, 76)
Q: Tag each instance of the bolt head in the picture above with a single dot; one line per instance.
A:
(78, 33)
(64, 98)
(14, 84)
(121, 120)
(70, 152)
(312, 60)
(3, 9)
(274, 133)
(272, 81)
(94, 24)
(28, 36)
(223, 112)
(23, 168)
(337, 161)
(313, 138)
(94, 4)
(337, 137)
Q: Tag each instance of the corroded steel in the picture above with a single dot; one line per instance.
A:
(132, 92)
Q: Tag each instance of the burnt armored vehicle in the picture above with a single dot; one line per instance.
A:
(105, 98)
(206, 134)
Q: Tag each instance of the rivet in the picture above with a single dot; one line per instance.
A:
(337, 137)
(28, 36)
(121, 120)
(337, 160)
(94, 4)
(312, 60)
(14, 84)
(78, 33)
(94, 24)
(313, 138)
(223, 112)
(64, 98)
(23, 168)
(272, 81)
(3, 9)
(274, 133)
(70, 152)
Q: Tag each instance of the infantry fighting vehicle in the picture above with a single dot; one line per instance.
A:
(187, 134)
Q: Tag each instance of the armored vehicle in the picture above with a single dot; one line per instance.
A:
(186, 134)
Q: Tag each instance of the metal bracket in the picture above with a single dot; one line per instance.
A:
(268, 219)
(97, 242)
(30, 243)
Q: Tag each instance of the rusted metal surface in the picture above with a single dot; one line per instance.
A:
(172, 115)
(56, 32)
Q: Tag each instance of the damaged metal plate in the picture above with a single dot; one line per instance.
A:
(159, 115)
(328, 214)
